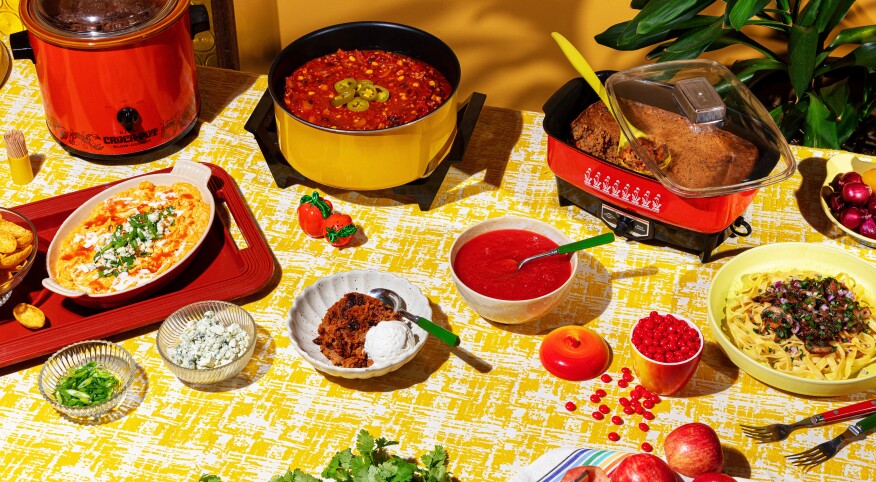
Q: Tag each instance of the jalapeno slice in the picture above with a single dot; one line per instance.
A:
(365, 82)
(346, 84)
(367, 91)
(343, 97)
(382, 93)
(357, 104)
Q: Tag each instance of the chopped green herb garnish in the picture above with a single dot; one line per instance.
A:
(85, 386)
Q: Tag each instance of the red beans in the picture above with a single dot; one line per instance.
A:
(595, 398)
(613, 436)
(601, 392)
(629, 410)
(665, 339)
(624, 401)
(648, 416)
(646, 447)
(604, 408)
(617, 420)
(644, 427)
(606, 378)
(598, 415)
(648, 404)
(570, 406)
(622, 383)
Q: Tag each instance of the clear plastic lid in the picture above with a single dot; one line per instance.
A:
(99, 18)
(697, 129)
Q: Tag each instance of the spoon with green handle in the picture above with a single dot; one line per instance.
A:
(580, 64)
(571, 247)
(394, 301)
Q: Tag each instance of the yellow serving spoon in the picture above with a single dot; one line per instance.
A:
(580, 64)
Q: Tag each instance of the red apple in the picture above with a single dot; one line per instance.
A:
(643, 468)
(585, 473)
(693, 450)
(714, 477)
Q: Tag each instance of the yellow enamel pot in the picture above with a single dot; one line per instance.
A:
(374, 159)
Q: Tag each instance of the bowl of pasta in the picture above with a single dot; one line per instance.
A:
(798, 317)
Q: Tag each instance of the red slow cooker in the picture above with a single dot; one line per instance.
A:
(117, 77)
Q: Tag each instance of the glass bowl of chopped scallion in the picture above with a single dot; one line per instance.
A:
(207, 342)
(87, 379)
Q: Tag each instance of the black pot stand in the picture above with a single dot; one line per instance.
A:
(263, 127)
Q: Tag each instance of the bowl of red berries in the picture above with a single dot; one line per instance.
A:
(666, 352)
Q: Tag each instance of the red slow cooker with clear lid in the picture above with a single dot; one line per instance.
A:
(117, 76)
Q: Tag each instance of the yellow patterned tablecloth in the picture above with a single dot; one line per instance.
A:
(281, 413)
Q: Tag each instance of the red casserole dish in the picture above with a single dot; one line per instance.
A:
(634, 192)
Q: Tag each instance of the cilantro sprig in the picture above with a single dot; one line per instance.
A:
(372, 464)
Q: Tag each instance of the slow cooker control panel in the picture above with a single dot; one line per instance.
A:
(624, 224)
(128, 117)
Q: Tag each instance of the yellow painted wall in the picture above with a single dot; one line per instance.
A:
(504, 46)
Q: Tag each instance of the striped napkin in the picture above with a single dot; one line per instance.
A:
(551, 466)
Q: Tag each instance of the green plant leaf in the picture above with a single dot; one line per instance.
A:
(854, 35)
(657, 14)
(802, 49)
(611, 37)
(638, 4)
(745, 69)
(783, 4)
(781, 14)
(807, 16)
(733, 37)
(697, 39)
(781, 27)
(864, 55)
(739, 12)
(820, 125)
(837, 98)
(836, 15)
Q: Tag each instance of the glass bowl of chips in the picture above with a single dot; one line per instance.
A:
(18, 248)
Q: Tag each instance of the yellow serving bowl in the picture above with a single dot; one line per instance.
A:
(784, 257)
(842, 163)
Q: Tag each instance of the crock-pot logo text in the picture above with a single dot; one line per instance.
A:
(134, 137)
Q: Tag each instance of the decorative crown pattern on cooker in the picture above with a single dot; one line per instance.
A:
(636, 197)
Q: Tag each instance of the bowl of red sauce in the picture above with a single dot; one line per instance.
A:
(365, 105)
(483, 262)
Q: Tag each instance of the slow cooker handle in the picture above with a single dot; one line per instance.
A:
(199, 19)
(19, 42)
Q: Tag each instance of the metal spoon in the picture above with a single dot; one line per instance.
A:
(393, 300)
(571, 247)
(580, 64)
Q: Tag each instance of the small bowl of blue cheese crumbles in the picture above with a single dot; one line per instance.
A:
(207, 342)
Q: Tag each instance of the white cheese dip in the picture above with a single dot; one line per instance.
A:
(208, 343)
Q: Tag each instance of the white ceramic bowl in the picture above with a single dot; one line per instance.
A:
(516, 311)
(784, 257)
(312, 304)
(184, 171)
(175, 324)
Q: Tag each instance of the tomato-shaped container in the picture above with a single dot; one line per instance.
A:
(574, 353)
(117, 78)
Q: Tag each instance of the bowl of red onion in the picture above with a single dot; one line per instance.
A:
(848, 197)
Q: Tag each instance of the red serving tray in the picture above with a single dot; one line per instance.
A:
(219, 271)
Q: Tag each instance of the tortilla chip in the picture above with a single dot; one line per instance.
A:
(8, 243)
(9, 261)
(29, 316)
